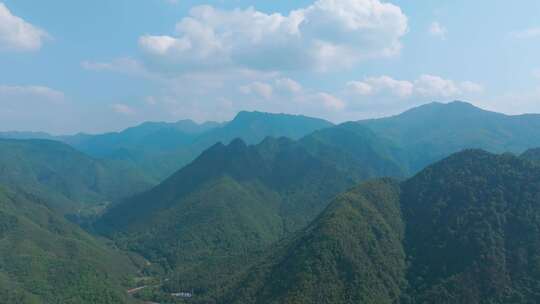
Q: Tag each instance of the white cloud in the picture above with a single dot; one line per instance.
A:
(17, 34)
(471, 87)
(118, 65)
(327, 34)
(34, 107)
(435, 86)
(20, 93)
(123, 109)
(384, 95)
(533, 32)
(161, 45)
(382, 84)
(514, 102)
(536, 73)
(426, 86)
(288, 85)
(437, 30)
(330, 101)
(261, 89)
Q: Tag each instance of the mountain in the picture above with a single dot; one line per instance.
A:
(416, 138)
(253, 127)
(352, 253)
(26, 135)
(160, 149)
(473, 230)
(532, 155)
(45, 259)
(464, 230)
(147, 137)
(355, 149)
(431, 132)
(154, 147)
(235, 200)
(69, 180)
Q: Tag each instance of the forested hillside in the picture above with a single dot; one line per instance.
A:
(464, 230)
(236, 200)
(69, 180)
(45, 259)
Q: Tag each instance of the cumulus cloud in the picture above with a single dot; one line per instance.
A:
(18, 35)
(161, 45)
(123, 109)
(324, 35)
(33, 107)
(382, 84)
(425, 86)
(536, 73)
(122, 65)
(437, 30)
(10, 94)
(533, 32)
(329, 101)
(514, 102)
(435, 86)
(293, 93)
(384, 95)
(288, 85)
(261, 89)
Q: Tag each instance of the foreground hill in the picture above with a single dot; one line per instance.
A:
(352, 253)
(68, 179)
(431, 132)
(465, 230)
(45, 259)
(235, 200)
(473, 230)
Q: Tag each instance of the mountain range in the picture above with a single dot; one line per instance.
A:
(275, 208)
(160, 149)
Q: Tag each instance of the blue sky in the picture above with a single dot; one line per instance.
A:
(93, 66)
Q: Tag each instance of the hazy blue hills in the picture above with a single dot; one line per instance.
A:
(149, 136)
(26, 135)
(159, 149)
(464, 230)
(431, 132)
(253, 127)
(70, 180)
(45, 259)
(412, 140)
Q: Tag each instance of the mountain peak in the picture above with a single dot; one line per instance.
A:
(237, 143)
(257, 115)
(456, 104)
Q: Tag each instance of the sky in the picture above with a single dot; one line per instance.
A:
(104, 65)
